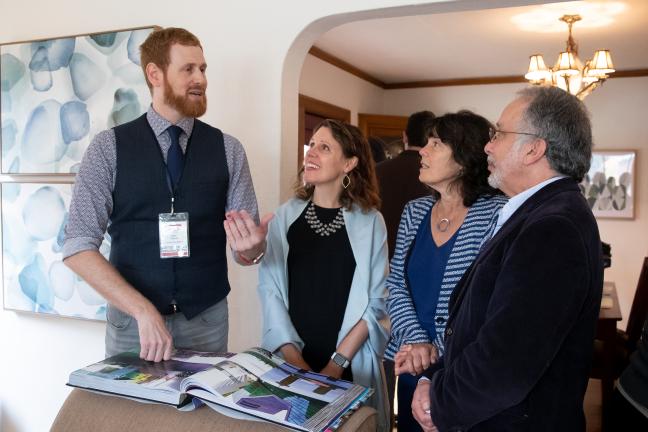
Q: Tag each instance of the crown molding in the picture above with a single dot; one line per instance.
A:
(348, 67)
(341, 64)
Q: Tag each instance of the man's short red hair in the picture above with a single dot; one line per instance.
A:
(157, 46)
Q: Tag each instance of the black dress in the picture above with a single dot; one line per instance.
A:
(320, 271)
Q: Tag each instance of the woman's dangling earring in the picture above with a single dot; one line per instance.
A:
(346, 181)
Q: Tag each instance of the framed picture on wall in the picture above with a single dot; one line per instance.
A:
(609, 186)
(58, 93)
(34, 276)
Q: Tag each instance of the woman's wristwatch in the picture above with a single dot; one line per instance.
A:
(340, 360)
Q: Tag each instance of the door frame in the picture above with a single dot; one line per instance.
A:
(311, 105)
(369, 122)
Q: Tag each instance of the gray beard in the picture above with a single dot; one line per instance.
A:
(494, 181)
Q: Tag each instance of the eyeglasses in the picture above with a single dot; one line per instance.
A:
(495, 134)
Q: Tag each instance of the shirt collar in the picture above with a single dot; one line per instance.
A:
(159, 124)
(516, 201)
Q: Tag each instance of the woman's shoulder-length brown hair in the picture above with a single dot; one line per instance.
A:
(363, 189)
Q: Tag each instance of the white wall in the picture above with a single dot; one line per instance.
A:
(323, 81)
(619, 114)
(487, 100)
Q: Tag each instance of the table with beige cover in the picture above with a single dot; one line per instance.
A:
(84, 411)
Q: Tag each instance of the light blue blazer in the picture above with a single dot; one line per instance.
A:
(367, 297)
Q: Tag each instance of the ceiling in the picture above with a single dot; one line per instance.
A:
(489, 43)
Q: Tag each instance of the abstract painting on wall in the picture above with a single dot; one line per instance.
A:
(34, 277)
(609, 184)
(58, 93)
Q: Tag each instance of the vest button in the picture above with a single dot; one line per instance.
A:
(448, 332)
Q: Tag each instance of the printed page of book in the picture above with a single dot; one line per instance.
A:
(272, 369)
(263, 385)
(126, 374)
(192, 356)
(231, 385)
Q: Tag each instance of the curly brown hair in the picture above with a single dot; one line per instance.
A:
(363, 189)
(155, 49)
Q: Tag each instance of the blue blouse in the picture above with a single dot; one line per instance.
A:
(425, 268)
(476, 228)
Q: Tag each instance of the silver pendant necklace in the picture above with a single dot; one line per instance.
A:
(443, 224)
(323, 229)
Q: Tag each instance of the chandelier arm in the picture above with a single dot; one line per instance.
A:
(572, 46)
(589, 88)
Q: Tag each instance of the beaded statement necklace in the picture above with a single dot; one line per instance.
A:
(323, 229)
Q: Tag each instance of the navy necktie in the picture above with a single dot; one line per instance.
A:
(175, 158)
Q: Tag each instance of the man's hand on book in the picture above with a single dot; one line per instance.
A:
(155, 340)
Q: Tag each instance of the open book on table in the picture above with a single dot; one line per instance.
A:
(254, 382)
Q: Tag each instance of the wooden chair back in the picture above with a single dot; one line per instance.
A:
(639, 310)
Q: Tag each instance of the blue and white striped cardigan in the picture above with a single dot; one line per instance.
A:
(476, 228)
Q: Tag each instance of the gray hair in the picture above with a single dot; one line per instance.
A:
(563, 122)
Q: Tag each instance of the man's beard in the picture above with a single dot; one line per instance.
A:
(505, 167)
(494, 179)
(181, 103)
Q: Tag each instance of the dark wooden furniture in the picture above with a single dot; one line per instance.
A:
(612, 347)
(639, 309)
(606, 334)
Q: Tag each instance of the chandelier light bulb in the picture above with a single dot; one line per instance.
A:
(566, 64)
(538, 71)
(602, 63)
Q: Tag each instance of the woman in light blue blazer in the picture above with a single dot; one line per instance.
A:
(322, 280)
(438, 238)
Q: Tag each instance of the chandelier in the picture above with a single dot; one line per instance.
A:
(569, 73)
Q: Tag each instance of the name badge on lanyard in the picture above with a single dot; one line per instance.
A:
(174, 235)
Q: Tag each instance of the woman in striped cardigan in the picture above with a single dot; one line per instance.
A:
(438, 238)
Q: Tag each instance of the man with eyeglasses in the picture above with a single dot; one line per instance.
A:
(522, 322)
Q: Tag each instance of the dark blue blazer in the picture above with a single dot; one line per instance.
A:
(522, 322)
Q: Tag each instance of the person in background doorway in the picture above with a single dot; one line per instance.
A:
(398, 178)
(378, 149)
